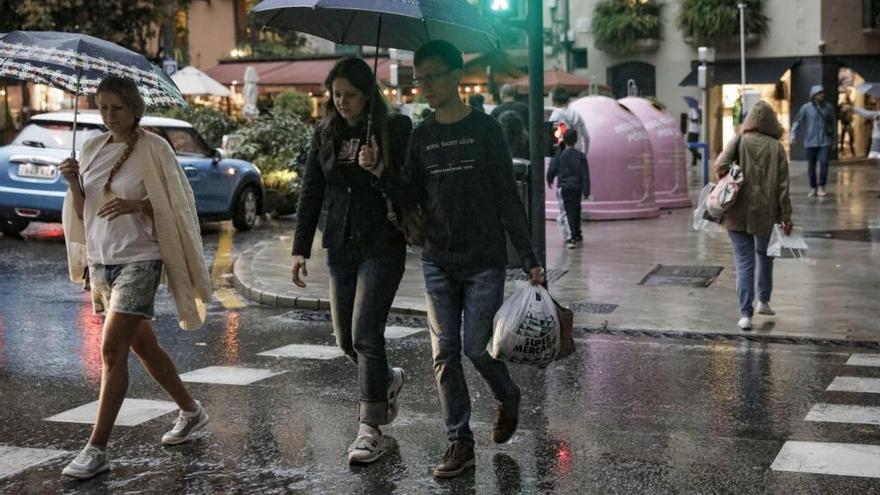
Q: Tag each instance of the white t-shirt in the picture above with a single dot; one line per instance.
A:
(127, 238)
(694, 121)
(573, 120)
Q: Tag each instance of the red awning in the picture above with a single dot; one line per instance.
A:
(553, 78)
(305, 75)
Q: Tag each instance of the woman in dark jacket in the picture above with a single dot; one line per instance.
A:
(365, 250)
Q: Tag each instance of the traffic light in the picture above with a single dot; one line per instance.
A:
(503, 8)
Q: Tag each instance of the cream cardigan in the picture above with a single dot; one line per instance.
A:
(175, 223)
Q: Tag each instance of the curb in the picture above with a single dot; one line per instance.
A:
(249, 291)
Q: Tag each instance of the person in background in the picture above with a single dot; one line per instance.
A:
(817, 124)
(515, 134)
(873, 117)
(762, 202)
(570, 118)
(508, 103)
(573, 182)
(695, 121)
(365, 250)
(846, 127)
(459, 170)
(476, 102)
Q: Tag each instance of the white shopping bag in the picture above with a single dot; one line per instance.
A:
(526, 328)
(702, 222)
(787, 246)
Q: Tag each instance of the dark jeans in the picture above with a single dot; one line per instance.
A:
(361, 293)
(746, 248)
(820, 154)
(461, 307)
(693, 137)
(571, 200)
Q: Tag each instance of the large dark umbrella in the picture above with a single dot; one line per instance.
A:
(403, 24)
(77, 63)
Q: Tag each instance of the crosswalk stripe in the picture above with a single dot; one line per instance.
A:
(132, 413)
(304, 351)
(16, 459)
(844, 413)
(841, 459)
(228, 375)
(864, 360)
(855, 384)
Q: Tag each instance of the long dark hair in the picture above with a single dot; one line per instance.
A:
(361, 77)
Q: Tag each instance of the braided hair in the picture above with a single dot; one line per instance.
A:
(127, 91)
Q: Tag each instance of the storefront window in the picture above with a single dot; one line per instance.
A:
(773, 94)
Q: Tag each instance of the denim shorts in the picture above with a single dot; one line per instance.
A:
(129, 288)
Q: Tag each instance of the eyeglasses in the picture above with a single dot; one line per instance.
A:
(431, 78)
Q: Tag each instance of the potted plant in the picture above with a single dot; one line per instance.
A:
(624, 27)
(276, 143)
(716, 22)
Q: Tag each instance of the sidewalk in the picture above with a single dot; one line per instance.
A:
(834, 298)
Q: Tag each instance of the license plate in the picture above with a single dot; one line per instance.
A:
(37, 171)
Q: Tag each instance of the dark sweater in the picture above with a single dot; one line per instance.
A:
(571, 170)
(462, 174)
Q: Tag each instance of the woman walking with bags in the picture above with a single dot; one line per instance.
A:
(129, 214)
(762, 201)
(365, 249)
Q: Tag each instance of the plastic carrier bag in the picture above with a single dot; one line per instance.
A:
(527, 328)
(702, 221)
(787, 246)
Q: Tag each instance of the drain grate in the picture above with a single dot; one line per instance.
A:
(863, 235)
(324, 316)
(593, 308)
(553, 274)
(682, 275)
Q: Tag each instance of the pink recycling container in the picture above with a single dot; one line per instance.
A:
(621, 163)
(670, 162)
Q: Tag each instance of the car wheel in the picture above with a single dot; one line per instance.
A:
(11, 227)
(244, 212)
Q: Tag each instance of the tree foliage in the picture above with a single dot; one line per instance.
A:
(618, 25)
(299, 104)
(716, 22)
(130, 23)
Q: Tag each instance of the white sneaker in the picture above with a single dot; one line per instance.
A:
(764, 309)
(812, 193)
(367, 447)
(89, 463)
(745, 323)
(394, 388)
(186, 425)
(822, 192)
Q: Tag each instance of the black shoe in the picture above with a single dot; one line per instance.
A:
(458, 458)
(506, 419)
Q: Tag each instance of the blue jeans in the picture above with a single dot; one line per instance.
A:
(820, 154)
(461, 307)
(361, 294)
(746, 248)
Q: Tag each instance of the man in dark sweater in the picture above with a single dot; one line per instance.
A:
(573, 173)
(460, 171)
(508, 103)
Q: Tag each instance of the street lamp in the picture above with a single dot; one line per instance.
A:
(742, 46)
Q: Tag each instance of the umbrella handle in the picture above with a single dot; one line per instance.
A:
(75, 114)
(375, 84)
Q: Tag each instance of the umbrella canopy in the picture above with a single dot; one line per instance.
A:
(404, 24)
(191, 81)
(77, 63)
(869, 88)
(553, 78)
(691, 102)
(251, 78)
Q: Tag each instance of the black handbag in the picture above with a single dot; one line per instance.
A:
(410, 221)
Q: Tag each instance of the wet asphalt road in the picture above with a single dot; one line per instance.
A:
(620, 416)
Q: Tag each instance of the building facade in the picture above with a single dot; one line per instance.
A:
(809, 42)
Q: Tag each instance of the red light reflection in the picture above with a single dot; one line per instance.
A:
(563, 458)
(230, 338)
(90, 328)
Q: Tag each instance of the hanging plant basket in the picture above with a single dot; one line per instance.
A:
(716, 22)
(623, 27)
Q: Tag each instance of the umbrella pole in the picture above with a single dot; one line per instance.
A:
(75, 114)
(374, 90)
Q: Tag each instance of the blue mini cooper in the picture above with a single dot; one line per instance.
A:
(32, 189)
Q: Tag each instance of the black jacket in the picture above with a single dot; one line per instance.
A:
(355, 212)
(572, 171)
(462, 174)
